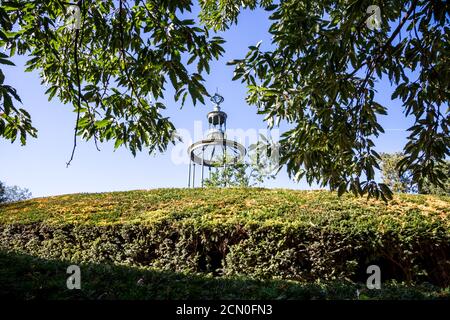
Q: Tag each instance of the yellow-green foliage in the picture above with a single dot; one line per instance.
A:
(284, 234)
(220, 205)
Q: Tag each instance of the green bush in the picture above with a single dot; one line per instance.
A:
(265, 234)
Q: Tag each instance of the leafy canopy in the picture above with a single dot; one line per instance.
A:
(319, 77)
(13, 193)
(397, 181)
(240, 174)
(260, 165)
(402, 181)
(430, 188)
(113, 69)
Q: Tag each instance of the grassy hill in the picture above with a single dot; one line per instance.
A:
(294, 242)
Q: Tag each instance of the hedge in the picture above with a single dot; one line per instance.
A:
(301, 236)
(29, 278)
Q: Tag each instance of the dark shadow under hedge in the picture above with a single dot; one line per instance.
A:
(30, 278)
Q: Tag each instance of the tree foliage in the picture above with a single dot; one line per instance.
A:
(429, 188)
(2, 192)
(242, 174)
(13, 193)
(396, 180)
(261, 164)
(401, 181)
(320, 76)
(114, 68)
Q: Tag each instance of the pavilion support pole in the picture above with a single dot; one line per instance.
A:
(189, 177)
(225, 163)
(193, 176)
(203, 163)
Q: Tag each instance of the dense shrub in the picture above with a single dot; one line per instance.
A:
(337, 243)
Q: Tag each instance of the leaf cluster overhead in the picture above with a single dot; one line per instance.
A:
(319, 76)
(115, 68)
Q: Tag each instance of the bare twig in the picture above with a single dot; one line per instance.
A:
(77, 70)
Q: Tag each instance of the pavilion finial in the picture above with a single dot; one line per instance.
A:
(217, 99)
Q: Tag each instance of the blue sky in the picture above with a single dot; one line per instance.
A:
(41, 164)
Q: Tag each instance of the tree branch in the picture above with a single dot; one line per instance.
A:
(77, 70)
(387, 44)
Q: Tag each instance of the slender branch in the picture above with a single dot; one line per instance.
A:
(78, 99)
(77, 70)
(370, 69)
(383, 49)
(91, 115)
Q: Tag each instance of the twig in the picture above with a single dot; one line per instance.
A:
(77, 70)
(386, 45)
